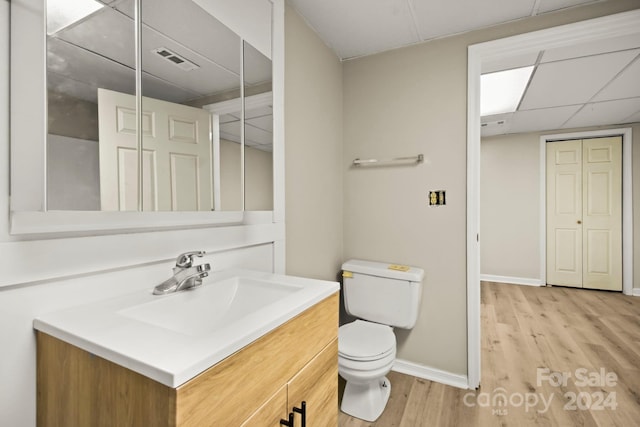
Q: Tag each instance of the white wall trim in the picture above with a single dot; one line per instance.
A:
(635, 292)
(512, 280)
(619, 24)
(627, 195)
(431, 374)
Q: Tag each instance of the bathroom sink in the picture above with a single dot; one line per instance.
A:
(204, 309)
(173, 338)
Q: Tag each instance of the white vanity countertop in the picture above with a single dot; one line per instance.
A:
(172, 355)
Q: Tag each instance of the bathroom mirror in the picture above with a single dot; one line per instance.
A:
(247, 142)
(62, 64)
(258, 130)
(88, 47)
(93, 157)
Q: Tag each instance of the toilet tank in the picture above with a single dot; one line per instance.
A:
(383, 293)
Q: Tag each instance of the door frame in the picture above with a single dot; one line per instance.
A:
(627, 198)
(591, 30)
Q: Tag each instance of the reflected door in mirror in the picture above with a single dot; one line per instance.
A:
(176, 157)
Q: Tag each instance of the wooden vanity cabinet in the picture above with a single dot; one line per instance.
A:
(256, 386)
(315, 385)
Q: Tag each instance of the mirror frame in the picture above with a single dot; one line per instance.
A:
(28, 138)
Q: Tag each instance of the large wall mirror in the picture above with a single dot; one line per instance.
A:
(200, 93)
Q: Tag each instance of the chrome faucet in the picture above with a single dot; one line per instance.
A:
(185, 274)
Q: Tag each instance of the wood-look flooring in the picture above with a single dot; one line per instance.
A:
(577, 332)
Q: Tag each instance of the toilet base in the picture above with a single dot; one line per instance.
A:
(366, 401)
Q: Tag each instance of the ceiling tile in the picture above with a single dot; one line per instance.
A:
(154, 87)
(573, 82)
(206, 80)
(509, 62)
(634, 118)
(551, 5)
(228, 118)
(257, 136)
(359, 27)
(438, 18)
(626, 85)
(262, 122)
(257, 67)
(108, 32)
(72, 64)
(204, 34)
(251, 113)
(593, 48)
(539, 120)
(604, 113)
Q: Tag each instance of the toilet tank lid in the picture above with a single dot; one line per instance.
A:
(382, 269)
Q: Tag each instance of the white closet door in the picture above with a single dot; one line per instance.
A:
(602, 213)
(584, 213)
(564, 213)
(177, 173)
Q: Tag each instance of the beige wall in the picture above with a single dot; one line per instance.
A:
(509, 206)
(258, 178)
(405, 102)
(313, 144)
(510, 199)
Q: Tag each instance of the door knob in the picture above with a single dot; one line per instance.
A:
(579, 222)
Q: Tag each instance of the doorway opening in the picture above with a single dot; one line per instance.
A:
(622, 24)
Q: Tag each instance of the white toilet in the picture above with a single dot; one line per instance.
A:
(383, 296)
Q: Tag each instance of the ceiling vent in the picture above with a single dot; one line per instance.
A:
(177, 60)
(496, 123)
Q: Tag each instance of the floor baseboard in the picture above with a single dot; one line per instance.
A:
(511, 280)
(431, 374)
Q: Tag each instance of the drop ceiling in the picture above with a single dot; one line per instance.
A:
(584, 85)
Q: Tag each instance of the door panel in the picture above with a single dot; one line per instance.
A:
(564, 211)
(185, 183)
(177, 173)
(602, 218)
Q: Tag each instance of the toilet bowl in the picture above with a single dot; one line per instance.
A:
(382, 296)
(366, 352)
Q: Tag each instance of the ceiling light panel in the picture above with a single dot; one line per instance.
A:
(501, 92)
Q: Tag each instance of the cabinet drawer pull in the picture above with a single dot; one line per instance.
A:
(287, 423)
(303, 413)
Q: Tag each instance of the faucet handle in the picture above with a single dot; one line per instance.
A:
(185, 260)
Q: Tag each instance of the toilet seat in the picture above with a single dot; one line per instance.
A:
(365, 341)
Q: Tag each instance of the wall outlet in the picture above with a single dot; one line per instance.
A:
(437, 198)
